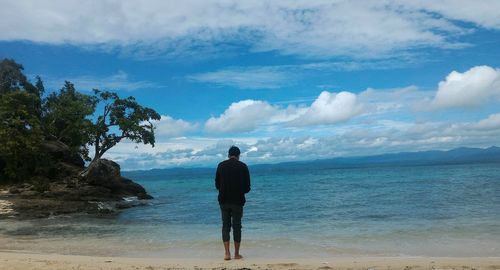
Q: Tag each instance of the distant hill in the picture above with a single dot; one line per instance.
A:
(462, 155)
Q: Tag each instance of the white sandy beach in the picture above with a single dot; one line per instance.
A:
(27, 261)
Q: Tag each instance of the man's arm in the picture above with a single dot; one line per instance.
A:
(217, 178)
(247, 180)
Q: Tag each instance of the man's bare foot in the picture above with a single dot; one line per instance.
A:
(227, 257)
(238, 256)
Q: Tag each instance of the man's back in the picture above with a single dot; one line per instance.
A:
(233, 181)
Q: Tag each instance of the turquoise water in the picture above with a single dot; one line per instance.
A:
(451, 210)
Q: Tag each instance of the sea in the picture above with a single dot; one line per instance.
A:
(291, 212)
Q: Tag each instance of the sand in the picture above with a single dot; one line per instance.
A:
(27, 261)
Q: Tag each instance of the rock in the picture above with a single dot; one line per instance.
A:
(28, 193)
(105, 207)
(97, 193)
(65, 170)
(42, 208)
(102, 190)
(105, 173)
(27, 186)
(130, 202)
(60, 151)
(131, 188)
(123, 205)
(23, 188)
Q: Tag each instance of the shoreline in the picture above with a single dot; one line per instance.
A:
(15, 260)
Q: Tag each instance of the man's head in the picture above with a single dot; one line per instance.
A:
(234, 152)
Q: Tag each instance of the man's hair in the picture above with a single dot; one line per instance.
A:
(233, 151)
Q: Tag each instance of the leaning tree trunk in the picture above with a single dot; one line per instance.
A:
(97, 155)
(85, 171)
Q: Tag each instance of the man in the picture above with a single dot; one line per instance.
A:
(232, 179)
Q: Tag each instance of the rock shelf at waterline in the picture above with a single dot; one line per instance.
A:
(100, 190)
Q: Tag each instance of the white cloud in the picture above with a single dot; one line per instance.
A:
(492, 122)
(241, 116)
(382, 137)
(362, 29)
(467, 89)
(483, 13)
(248, 115)
(170, 127)
(246, 78)
(276, 76)
(329, 108)
(115, 82)
(169, 152)
(386, 103)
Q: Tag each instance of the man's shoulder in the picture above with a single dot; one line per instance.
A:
(242, 163)
(223, 163)
(230, 162)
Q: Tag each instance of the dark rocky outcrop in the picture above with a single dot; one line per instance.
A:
(106, 173)
(72, 188)
(61, 151)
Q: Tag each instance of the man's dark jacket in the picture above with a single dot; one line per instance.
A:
(232, 179)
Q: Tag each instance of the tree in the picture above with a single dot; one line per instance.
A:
(66, 118)
(11, 76)
(20, 127)
(12, 79)
(121, 119)
(20, 135)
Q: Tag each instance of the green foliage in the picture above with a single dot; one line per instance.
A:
(11, 76)
(121, 119)
(66, 118)
(12, 79)
(20, 134)
(20, 127)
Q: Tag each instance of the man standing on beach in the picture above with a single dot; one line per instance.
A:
(232, 179)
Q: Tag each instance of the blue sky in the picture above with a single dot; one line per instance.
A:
(290, 80)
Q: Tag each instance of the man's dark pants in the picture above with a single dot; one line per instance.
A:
(231, 215)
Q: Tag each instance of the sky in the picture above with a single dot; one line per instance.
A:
(283, 80)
